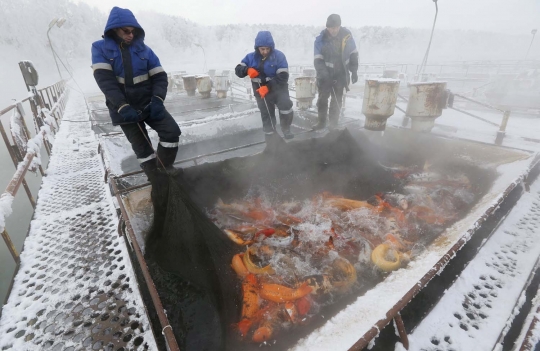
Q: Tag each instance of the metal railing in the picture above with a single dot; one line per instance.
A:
(47, 106)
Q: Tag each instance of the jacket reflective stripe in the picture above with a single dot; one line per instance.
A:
(242, 64)
(329, 64)
(136, 80)
(285, 112)
(282, 70)
(155, 70)
(166, 144)
(141, 78)
(258, 80)
(319, 57)
(141, 160)
(102, 66)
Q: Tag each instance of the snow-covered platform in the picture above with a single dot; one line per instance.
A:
(477, 310)
(75, 288)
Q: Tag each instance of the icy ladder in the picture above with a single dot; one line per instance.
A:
(477, 310)
(76, 288)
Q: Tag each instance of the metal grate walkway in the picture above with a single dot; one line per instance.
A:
(76, 288)
(477, 310)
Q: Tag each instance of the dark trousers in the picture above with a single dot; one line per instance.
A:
(167, 130)
(336, 100)
(280, 98)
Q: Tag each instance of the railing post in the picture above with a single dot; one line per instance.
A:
(14, 159)
(502, 130)
(401, 331)
(11, 247)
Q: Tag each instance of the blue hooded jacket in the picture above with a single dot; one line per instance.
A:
(273, 71)
(145, 77)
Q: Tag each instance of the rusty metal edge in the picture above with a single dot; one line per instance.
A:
(11, 107)
(395, 310)
(528, 344)
(163, 320)
(510, 320)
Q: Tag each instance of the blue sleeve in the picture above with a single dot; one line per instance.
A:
(318, 60)
(241, 69)
(105, 77)
(353, 57)
(158, 76)
(282, 71)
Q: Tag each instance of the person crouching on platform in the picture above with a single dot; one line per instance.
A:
(135, 86)
(269, 73)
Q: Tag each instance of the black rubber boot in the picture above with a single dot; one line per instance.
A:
(149, 167)
(166, 156)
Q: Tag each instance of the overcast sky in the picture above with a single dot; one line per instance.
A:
(509, 16)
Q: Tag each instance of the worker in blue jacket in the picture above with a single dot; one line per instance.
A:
(269, 73)
(135, 86)
(335, 56)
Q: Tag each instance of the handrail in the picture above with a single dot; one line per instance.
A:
(11, 191)
(47, 105)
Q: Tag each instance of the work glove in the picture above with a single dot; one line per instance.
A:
(252, 72)
(155, 108)
(128, 113)
(354, 77)
(263, 91)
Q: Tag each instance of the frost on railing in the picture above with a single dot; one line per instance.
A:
(17, 128)
(34, 146)
(6, 201)
(47, 107)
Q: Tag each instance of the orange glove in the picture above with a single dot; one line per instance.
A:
(263, 91)
(252, 72)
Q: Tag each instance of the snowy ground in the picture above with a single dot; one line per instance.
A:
(76, 286)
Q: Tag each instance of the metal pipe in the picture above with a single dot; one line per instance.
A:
(163, 320)
(479, 103)
(477, 117)
(52, 50)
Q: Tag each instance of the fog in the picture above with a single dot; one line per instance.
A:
(198, 35)
(385, 31)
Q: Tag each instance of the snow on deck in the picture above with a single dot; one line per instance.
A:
(483, 301)
(75, 288)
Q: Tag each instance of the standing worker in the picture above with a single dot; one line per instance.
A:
(135, 85)
(335, 56)
(269, 73)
